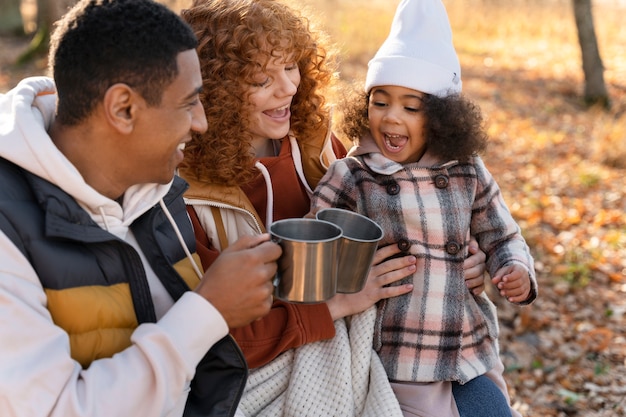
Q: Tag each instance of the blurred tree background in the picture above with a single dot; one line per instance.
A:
(550, 78)
(42, 14)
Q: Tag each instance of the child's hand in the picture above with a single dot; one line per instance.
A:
(513, 282)
(382, 273)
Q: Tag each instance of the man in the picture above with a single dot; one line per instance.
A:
(97, 316)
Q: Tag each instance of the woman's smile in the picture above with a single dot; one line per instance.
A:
(279, 113)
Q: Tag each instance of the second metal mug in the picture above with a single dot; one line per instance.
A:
(358, 245)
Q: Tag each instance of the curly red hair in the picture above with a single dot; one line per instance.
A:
(232, 35)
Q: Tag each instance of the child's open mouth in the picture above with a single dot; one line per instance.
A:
(395, 142)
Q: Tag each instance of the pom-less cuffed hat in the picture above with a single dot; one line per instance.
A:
(418, 53)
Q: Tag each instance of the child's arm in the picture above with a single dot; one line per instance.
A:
(513, 282)
(501, 239)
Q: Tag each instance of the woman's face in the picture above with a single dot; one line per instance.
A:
(270, 98)
(397, 122)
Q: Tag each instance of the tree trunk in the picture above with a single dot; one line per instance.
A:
(595, 89)
(48, 12)
(11, 18)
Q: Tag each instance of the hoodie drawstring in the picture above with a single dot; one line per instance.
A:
(295, 152)
(270, 194)
(104, 219)
(180, 238)
(327, 156)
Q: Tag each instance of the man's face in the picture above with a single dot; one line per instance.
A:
(162, 131)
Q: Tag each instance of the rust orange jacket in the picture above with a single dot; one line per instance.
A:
(221, 215)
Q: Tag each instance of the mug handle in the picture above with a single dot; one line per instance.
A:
(276, 280)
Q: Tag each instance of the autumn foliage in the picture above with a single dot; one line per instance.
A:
(561, 167)
(562, 170)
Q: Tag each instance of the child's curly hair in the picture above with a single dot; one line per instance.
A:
(454, 124)
(232, 34)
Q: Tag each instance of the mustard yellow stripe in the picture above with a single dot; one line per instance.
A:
(98, 319)
(186, 271)
(98, 344)
(83, 309)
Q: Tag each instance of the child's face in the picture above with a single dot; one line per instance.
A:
(271, 97)
(397, 122)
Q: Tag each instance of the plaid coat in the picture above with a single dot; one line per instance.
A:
(440, 331)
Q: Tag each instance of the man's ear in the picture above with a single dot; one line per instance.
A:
(120, 107)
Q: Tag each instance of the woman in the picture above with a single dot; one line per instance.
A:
(268, 144)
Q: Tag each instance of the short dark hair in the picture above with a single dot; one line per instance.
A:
(99, 43)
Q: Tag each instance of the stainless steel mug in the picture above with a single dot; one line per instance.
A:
(307, 269)
(358, 245)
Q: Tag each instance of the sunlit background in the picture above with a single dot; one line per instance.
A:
(561, 167)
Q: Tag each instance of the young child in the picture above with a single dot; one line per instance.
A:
(414, 169)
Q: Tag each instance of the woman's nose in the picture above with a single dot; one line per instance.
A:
(286, 86)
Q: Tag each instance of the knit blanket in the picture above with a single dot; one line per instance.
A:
(340, 377)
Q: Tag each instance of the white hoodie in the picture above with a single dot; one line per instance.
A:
(38, 377)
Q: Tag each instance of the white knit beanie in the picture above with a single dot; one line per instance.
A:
(418, 53)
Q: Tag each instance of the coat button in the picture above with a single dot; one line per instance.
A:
(441, 181)
(404, 245)
(393, 188)
(453, 248)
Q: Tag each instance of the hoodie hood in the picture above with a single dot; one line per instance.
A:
(26, 114)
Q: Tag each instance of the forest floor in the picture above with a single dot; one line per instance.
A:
(561, 168)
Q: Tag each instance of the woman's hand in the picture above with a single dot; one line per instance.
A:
(381, 274)
(474, 268)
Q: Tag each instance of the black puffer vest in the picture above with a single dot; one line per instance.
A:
(75, 258)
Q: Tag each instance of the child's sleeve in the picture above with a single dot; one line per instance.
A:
(497, 232)
(336, 188)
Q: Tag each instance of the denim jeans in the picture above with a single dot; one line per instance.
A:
(480, 397)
